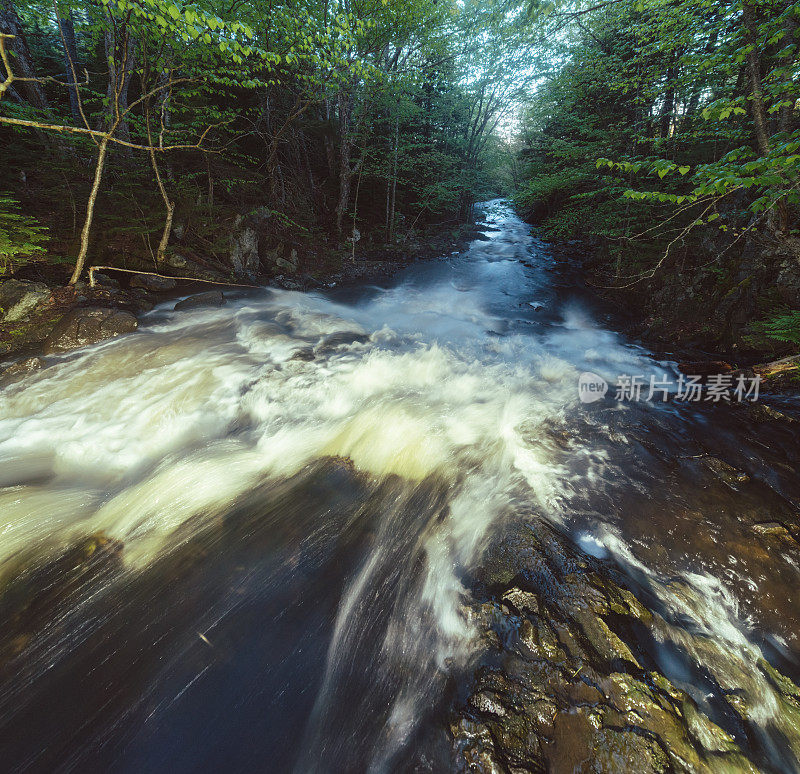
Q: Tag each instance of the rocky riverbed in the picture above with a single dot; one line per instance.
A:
(570, 679)
(379, 522)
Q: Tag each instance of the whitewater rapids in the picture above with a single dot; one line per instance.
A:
(416, 418)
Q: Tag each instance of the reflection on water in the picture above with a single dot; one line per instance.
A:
(254, 524)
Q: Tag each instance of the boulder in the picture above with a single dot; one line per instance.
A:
(104, 281)
(18, 298)
(244, 250)
(153, 283)
(177, 261)
(289, 264)
(287, 283)
(84, 326)
(141, 300)
(211, 298)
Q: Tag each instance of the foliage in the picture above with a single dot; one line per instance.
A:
(21, 237)
(783, 327)
(658, 116)
(329, 112)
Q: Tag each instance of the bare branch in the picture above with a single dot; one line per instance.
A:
(101, 134)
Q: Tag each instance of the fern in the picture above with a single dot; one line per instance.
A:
(783, 327)
(21, 236)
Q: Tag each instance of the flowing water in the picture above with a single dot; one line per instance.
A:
(241, 538)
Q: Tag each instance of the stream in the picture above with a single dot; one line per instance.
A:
(251, 537)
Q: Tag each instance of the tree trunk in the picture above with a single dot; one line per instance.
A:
(121, 64)
(70, 62)
(128, 66)
(330, 153)
(665, 123)
(345, 151)
(87, 224)
(786, 111)
(360, 172)
(388, 200)
(393, 197)
(22, 62)
(753, 58)
(170, 205)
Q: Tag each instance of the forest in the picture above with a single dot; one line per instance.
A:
(148, 132)
(285, 139)
(667, 134)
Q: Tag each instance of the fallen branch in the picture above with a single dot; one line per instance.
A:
(93, 283)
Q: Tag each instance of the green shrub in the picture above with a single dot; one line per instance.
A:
(21, 236)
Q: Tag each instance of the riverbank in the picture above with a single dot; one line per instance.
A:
(675, 319)
(33, 308)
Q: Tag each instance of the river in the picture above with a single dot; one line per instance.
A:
(245, 538)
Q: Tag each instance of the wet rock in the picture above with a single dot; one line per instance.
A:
(21, 336)
(306, 355)
(488, 704)
(244, 249)
(287, 283)
(522, 601)
(20, 369)
(81, 327)
(516, 736)
(153, 283)
(708, 734)
(211, 298)
(177, 261)
(19, 298)
(777, 535)
(603, 641)
(763, 413)
(725, 472)
(578, 745)
(772, 528)
(475, 749)
(104, 281)
(540, 641)
(705, 368)
(141, 300)
(621, 751)
(334, 341)
(570, 689)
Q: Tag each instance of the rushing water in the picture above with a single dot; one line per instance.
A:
(238, 538)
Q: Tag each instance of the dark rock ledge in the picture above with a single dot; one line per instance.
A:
(568, 681)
